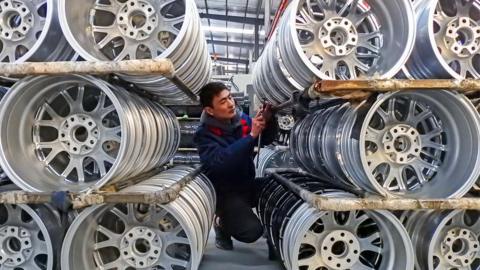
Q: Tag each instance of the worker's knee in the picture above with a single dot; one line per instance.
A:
(250, 232)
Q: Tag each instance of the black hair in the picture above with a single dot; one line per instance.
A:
(209, 91)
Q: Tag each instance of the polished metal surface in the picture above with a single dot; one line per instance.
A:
(448, 40)
(30, 32)
(30, 236)
(306, 238)
(273, 158)
(141, 29)
(444, 239)
(171, 236)
(77, 133)
(404, 144)
(334, 40)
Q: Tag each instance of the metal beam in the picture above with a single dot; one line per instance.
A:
(256, 49)
(232, 60)
(236, 19)
(209, 25)
(266, 17)
(231, 43)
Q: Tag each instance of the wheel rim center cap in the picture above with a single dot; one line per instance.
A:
(460, 247)
(340, 249)
(137, 20)
(402, 144)
(79, 134)
(16, 246)
(15, 20)
(338, 36)
(141, 247)
(462, 37)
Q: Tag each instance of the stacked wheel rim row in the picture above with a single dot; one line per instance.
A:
(77, 133)
(139, 29)
(306, 238)
(30, 235)
(448, 40)
(334, 40)
(30, 31)
(355, 39)
(444, 239)
(403, 144)
(273, 158)
(171, 236)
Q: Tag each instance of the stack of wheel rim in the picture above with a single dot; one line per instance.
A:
(141, 29)
(334, 40)
(270, 158)
(306, 238)
(171, 236)
(78, 133)
(30, 32)
(444, 239)
(448, 40)
(403, 144)
(30, 235)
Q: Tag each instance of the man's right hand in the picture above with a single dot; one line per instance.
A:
(258, 125)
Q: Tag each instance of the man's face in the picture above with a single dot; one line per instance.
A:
(223, 106)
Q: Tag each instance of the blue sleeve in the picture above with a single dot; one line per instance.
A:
(218, 159)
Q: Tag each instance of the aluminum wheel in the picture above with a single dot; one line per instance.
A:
(29, 236)
(406, 144)
(141, 29)
(309, 239)
(448, 40)
(273, 158)
(136, 236)
(349, 240)
(334, 40)
(30, 31)
(77, 132)
(445, 240)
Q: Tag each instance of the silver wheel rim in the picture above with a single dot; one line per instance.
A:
(83, 133)
(343, 246)
(154, 236)
(453, 33)
(29, 31)
(138, 29)
(449, 239)
(273, 158)
(26, 237)
(406, 144)
(334, 40)
(425, 150)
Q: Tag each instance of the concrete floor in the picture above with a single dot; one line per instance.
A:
(243, 256)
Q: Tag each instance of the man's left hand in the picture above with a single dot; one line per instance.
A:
(267, 111)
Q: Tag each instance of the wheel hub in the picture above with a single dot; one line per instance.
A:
(141, 247)
(286, 122)
(137, 20)
(16, 246)
(338, 36)
(79, 134)
(463, 37)
(460, 247)
(402, 144)
(15, 20)
(340, 249)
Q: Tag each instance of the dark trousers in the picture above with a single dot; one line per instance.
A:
(237, 217)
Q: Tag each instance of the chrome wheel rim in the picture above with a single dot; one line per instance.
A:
(141, 29)
(80, 133)
(144, 236)
(452, 29)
